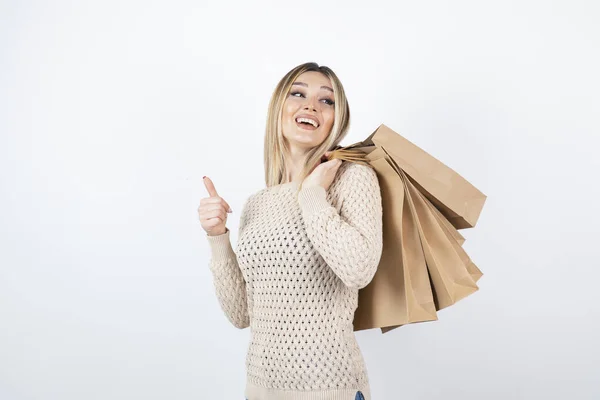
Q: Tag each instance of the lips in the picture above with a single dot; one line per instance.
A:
(310, 117)
(306, 127)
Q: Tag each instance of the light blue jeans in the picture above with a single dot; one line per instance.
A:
(359, 396)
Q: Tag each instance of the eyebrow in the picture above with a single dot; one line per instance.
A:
(304, 84)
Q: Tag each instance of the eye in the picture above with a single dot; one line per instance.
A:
(327, 101)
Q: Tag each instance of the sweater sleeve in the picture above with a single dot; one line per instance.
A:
(351, 241)
(228, 280)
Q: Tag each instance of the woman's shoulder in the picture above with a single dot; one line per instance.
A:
(351, 173)
(355, 179)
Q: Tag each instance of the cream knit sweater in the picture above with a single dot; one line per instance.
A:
(294, 279)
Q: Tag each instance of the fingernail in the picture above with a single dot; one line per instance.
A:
(230, 210)
(204, 177)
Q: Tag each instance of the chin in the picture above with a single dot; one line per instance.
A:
(298, 135)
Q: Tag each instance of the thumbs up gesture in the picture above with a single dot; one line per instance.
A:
(213, 211)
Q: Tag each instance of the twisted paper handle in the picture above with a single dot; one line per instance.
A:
(349, 154)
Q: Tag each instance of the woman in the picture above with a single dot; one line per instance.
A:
(307, 243)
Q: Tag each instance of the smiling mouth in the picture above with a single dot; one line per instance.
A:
(307, 123)
(305, 126)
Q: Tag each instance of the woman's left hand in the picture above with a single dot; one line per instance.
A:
(323, 174)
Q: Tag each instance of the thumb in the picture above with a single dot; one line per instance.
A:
(210, 187)
(334, 162)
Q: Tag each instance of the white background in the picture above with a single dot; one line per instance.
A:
(111, 112)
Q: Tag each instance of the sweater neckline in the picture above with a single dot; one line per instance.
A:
(286, 185)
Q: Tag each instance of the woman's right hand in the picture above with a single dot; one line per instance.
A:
(213, 211)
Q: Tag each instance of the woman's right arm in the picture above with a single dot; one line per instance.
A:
(229, 283)
(228, 280)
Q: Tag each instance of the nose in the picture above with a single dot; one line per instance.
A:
(310, 104)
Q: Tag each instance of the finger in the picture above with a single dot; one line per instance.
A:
(210, 187)
(211, 223)
(216, 200)
(210, 207)
(315, 167)
(336, 162)
(212, 214)
(226, 206)
(222, 217)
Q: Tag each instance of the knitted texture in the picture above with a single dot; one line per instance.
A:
(294, 279)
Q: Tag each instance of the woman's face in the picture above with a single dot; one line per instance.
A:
(308, 110)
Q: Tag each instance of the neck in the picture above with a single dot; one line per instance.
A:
(294, 164)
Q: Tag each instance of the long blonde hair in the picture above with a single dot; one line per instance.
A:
(276, 149)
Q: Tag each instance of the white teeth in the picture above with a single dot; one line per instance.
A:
(310, 121)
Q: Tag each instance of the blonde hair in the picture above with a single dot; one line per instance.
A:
(276, 149)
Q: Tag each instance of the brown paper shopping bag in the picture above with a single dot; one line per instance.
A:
(417, 233)
(400, 292)
(458, 200)
(450, 278)
(455, 238)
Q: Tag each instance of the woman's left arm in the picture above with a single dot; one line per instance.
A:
(350, 242)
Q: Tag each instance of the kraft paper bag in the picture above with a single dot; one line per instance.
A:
(450, 277)
(456, 239)
(423, 267)
(448, 273)
(459, 201)
(400, 292)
